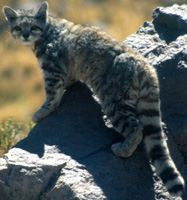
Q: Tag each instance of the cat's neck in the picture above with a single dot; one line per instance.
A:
(50, 33)
(51, 36)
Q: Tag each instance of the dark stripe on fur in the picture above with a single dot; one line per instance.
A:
(149, 113)
(126, 108)
(125, 125)
(122, 117)
(134, 87)
(51, 84)
(49, 91)
(41, 51)
(147, 85)
(51, 69)
(176, 188)
(111, 114)
(168, 174)
(53, 80)
(116, 121)
(151, 130)
(158, 153)
(157, 137)
(141, 75)
(58, 86)
(149, 99)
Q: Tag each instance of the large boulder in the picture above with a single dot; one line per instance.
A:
(163, 42)
(67, 155)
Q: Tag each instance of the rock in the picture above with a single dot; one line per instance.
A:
(173, 17)
(164, 47)
(163, 43)
(67, 156)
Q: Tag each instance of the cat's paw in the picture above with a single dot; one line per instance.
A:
(119, 150)
(40, 114)
(36, 117)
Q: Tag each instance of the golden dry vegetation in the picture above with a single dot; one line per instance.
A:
(21, 84)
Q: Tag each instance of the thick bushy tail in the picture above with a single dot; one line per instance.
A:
(155, 143)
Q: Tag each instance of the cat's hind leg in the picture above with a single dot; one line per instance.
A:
(125, 121)
(128, 146)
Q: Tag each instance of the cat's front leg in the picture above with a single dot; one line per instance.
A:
(54, 86)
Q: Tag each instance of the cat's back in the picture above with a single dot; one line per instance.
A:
(83, 37)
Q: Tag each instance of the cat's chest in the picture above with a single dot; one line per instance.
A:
(49, 54)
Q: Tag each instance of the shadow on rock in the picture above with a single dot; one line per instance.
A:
(78, 130)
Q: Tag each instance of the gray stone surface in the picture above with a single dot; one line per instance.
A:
(165, 48)
(173, 17)
(67, 156)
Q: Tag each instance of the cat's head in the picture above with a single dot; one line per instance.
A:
(27, 26)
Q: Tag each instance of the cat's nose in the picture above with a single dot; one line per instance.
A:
(26, 35)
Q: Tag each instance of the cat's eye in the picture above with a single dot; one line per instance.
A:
(34, 28)
(17, 28)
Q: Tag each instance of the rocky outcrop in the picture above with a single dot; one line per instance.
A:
(163, 42)
(67, 155)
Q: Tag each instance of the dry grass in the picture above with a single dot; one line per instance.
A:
(21, 84)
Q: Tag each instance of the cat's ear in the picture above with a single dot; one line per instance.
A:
(42, 12)
(10, 14)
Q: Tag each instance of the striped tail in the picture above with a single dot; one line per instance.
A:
(155, 143)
